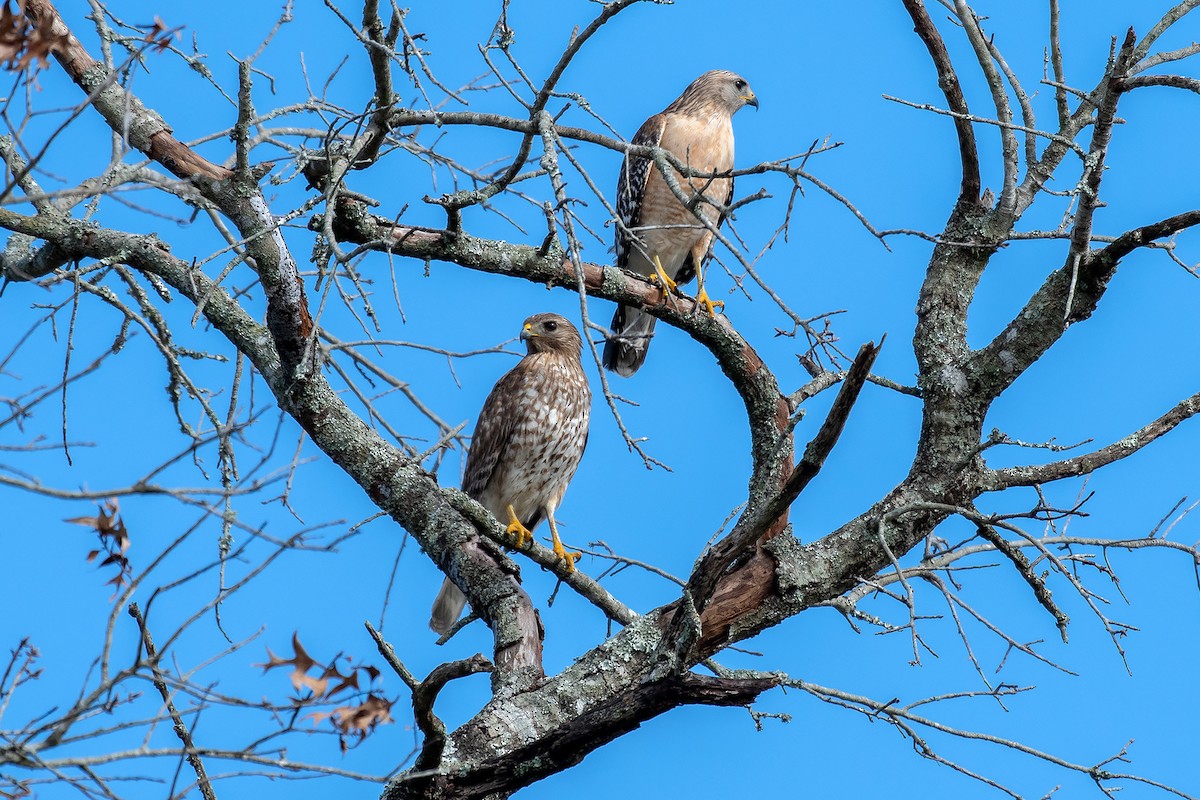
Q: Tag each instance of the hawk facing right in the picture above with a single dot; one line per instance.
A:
(658, 234)
(527, 443)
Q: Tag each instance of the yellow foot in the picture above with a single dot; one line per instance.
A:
(521, 535)
(566, 556)
(711, 305)
(560, 551)
(661, 276)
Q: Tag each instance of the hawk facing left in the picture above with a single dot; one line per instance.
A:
(528, 442)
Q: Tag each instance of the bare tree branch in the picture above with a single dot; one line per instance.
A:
(1090, 462)
(949, 84)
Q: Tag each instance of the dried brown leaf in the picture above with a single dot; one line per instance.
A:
(301, 662)
(357, 721)
(347, 682)
(22, 43)
(107, 524)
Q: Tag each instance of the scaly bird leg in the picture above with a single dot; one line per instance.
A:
(559, 550)
(702, 296)
(515, 529)
(661, 275)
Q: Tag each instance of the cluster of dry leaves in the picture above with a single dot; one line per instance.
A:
(114, 540)
(353, 722)
(22, 42)
(161, 35)
(318, 683)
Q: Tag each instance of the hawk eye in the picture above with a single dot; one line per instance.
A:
(551, 325)
(740, 84)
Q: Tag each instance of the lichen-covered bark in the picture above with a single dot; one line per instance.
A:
(534, 725)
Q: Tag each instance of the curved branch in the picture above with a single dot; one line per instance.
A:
(1126, 243)
(1173, 81)
(422, 700)
(948, 81)
(766, 407)
(328, 172)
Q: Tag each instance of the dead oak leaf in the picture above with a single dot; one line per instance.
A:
(160, 36)
(114, 538)
(358, 721)
(301, 663)
(107, 523)
(22, 43)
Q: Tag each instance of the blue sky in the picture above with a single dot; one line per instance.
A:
(820, 70)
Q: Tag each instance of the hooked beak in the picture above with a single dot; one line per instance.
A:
(527, 332)
(751, 100)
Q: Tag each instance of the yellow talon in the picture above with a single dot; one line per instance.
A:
(522, 536)
(516, 530)
(711, 305)
(661, 275)
(561, 551)
(567, 557)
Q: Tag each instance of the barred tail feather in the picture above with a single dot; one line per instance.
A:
(447, 608)
(625, 350)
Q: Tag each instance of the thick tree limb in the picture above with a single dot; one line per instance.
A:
(513, 767)
(1046, 314)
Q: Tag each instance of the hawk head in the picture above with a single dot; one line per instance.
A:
(721, 88)
(543, 333)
